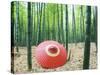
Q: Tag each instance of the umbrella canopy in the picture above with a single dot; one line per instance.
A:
(51, 54)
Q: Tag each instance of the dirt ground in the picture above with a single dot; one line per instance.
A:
(75, 62)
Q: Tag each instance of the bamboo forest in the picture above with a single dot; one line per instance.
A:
(73, 26)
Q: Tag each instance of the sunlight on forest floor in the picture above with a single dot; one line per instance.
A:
(75, 63)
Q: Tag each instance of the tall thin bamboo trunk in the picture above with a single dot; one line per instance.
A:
(62, 25)
(73, 24)
(48, 29)
(95, 24)
(53, 26)
(37, 29)
(43, 24)
(83, 32)
(39, 23)
(58, 26)
(22, 33)
(66, 22)
(81, 19)
(12, 37)
(17, 26)
(34, 24)
(29, 37)
(87, 39)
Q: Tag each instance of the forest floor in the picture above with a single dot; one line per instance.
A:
(75, 62)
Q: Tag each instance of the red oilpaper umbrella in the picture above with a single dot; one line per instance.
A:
(51, 54)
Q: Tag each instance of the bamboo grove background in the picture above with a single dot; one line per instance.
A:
(32, 23)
